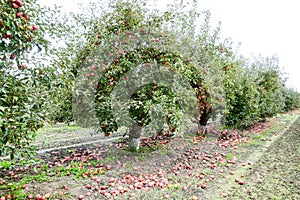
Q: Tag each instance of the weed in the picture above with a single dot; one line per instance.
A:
(7, 164)
(229, 156)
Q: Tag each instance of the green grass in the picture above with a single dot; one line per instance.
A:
(7, 164)
(229, 156)
(257, 137)
(59, 129)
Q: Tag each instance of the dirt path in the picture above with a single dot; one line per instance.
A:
(276, 174)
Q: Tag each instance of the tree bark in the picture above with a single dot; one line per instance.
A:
(134, 138)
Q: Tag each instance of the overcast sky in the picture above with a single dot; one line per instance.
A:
(262, 26)
(269, 27)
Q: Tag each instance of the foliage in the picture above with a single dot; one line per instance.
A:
(23, 26)
(292, 99)
(18, 121)
(242, 92)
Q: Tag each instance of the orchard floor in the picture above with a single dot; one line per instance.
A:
(261, 163)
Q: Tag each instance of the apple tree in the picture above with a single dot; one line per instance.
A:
(23, 25)
(126, 42)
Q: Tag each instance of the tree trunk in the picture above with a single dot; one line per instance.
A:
(134, 138)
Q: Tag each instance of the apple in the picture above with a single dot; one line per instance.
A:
(19, 3)
(88, 186)
(34, 27)
(25, 16)
(38, 197)
(80, 197)
(13, 56)
(15, 6)
(8, 196)
(201, 176)
(19, 14)
(94, 67)
(102, 187)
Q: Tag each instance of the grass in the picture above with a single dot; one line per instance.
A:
(7, 164)
(58, 129)
(229, 156)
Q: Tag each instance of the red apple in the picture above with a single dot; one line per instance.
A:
(94, 67)
(22, 67)
(15, 6)
(102, 187)
(25, 16)
(8, 196)
(34, 27)
(88, 186)
(13, 56)
(19, 3)
(19, 14)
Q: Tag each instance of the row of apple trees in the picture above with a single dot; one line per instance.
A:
(125, 63)
(128, 35)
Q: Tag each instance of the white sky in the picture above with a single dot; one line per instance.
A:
(268, 27)
(262, 26)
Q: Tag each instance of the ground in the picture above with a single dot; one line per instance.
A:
(260, 163)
